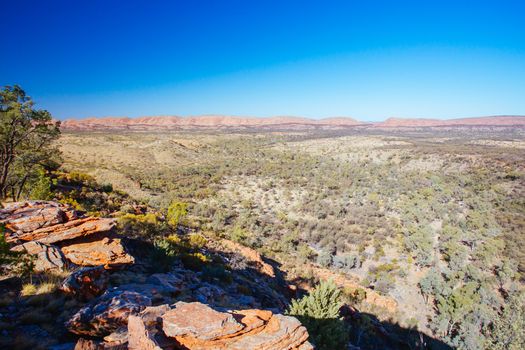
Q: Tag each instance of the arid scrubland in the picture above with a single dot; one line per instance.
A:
(429, 221)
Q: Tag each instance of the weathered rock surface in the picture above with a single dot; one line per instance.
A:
(48, 222)
(28, 216)
(199, 321)
(199, 327)
(47, 257)
(144, 330)
(107, 313)
(86, 283)
(108, 251)
(40, 225)
(72, 229)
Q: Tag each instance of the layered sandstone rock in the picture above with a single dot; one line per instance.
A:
(198, 321)
(48, 222)
(42, 227)
(24, 217)
(197, 326)
(108, 251)
(69, 230)
(144, 331)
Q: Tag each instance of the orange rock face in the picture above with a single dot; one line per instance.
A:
(41, 227)
(48, 222)
(199, 327)
(209, 325)
(108, 251)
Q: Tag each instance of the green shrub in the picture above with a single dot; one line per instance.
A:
(145, 226)
(41, 188)
(508, 331)
(176, 212)
(319, 313)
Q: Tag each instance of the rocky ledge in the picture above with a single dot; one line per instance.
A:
(197, 326)
(58, 236)
(148, 310)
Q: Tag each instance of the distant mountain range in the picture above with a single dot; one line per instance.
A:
(227, 122)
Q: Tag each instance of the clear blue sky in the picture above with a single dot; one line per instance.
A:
(365, 59)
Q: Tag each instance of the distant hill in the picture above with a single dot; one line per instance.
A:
(207, 122)
(480, 121)
(285, 122)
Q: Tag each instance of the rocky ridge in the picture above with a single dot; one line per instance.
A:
(179, 309)
(59, 236)
(162, 123)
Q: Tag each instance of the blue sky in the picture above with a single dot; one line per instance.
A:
(364, 59)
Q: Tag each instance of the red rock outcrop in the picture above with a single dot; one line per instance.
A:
(199, 327)
(107, 252)
(40, 225)
(48, 222)
(143, 330)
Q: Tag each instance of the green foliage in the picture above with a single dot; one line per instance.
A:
(383, 277)
(163, 255)
(19, 263)
(508, 330)
(26, 142)
(196, 241)
(418, 240)
(354, 296)
(176, 212)
(41, 188)
(324, 259)
(319, 313)
(239, 235)
(146, 226)
(346, 262)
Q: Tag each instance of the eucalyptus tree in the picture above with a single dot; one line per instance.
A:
(26, 142)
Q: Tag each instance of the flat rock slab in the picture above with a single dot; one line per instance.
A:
(48, 222)
(107, 252)
(199, 321)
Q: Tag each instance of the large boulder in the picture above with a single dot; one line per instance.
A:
(199, 327)
(107, 251)
(47, 257)
(38, 226)
(48, 222)
(22, 217)
(107, 313)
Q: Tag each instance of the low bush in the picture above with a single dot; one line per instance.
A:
(319, 313)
